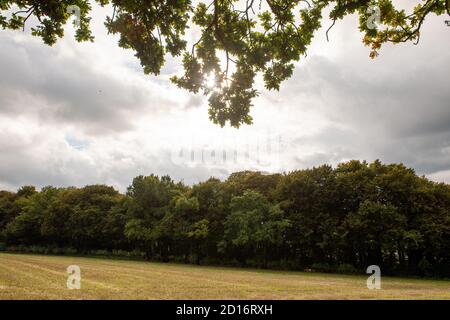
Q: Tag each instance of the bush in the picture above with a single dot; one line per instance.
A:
(275, 265)
(232, 263)
(120, 253)
(69, 251)
(102, 253)
(2, 246)
(48, 250)
(283, 265)
(322, 267)
(347, 269)
(20, 248)
(57, 251)
(211, 261)
(253, 263)
(136, 254)
(425, 268)
(36, 249)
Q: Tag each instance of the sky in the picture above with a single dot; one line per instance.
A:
(77, 114)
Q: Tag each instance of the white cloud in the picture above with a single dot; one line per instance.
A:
(77, 114)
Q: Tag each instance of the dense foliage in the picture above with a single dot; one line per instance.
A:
(327, 219)
(237, 39)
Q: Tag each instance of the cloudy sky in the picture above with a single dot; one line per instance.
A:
(77, 114)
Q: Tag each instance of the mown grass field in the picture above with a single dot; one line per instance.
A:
(45, 277)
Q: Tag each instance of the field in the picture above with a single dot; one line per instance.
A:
(45, 277)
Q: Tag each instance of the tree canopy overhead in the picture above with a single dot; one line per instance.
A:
(237, 40)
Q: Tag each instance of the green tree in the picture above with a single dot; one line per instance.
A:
(265, 184)
(8, 209)
(310, 199)
(150, 199)
(140, 235)
(253, 225)
(55, 226)
(174, 226)
(375, 230)
(214, 197)
(238, 39)
(198, 233)
(431, 225)
(89, 208)
(114, 225)
(357, 213)
(25, 228)
(26, 191)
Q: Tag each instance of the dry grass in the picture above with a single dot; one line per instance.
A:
(44, 277)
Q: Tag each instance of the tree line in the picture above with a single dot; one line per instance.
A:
(340, 219)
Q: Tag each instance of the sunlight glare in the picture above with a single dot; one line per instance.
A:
(210, 81)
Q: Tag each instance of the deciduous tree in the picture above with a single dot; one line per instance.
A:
(237, 39)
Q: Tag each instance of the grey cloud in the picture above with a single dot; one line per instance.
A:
(70, 90)
(195, 101)
(396, 109)
(37, 162)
